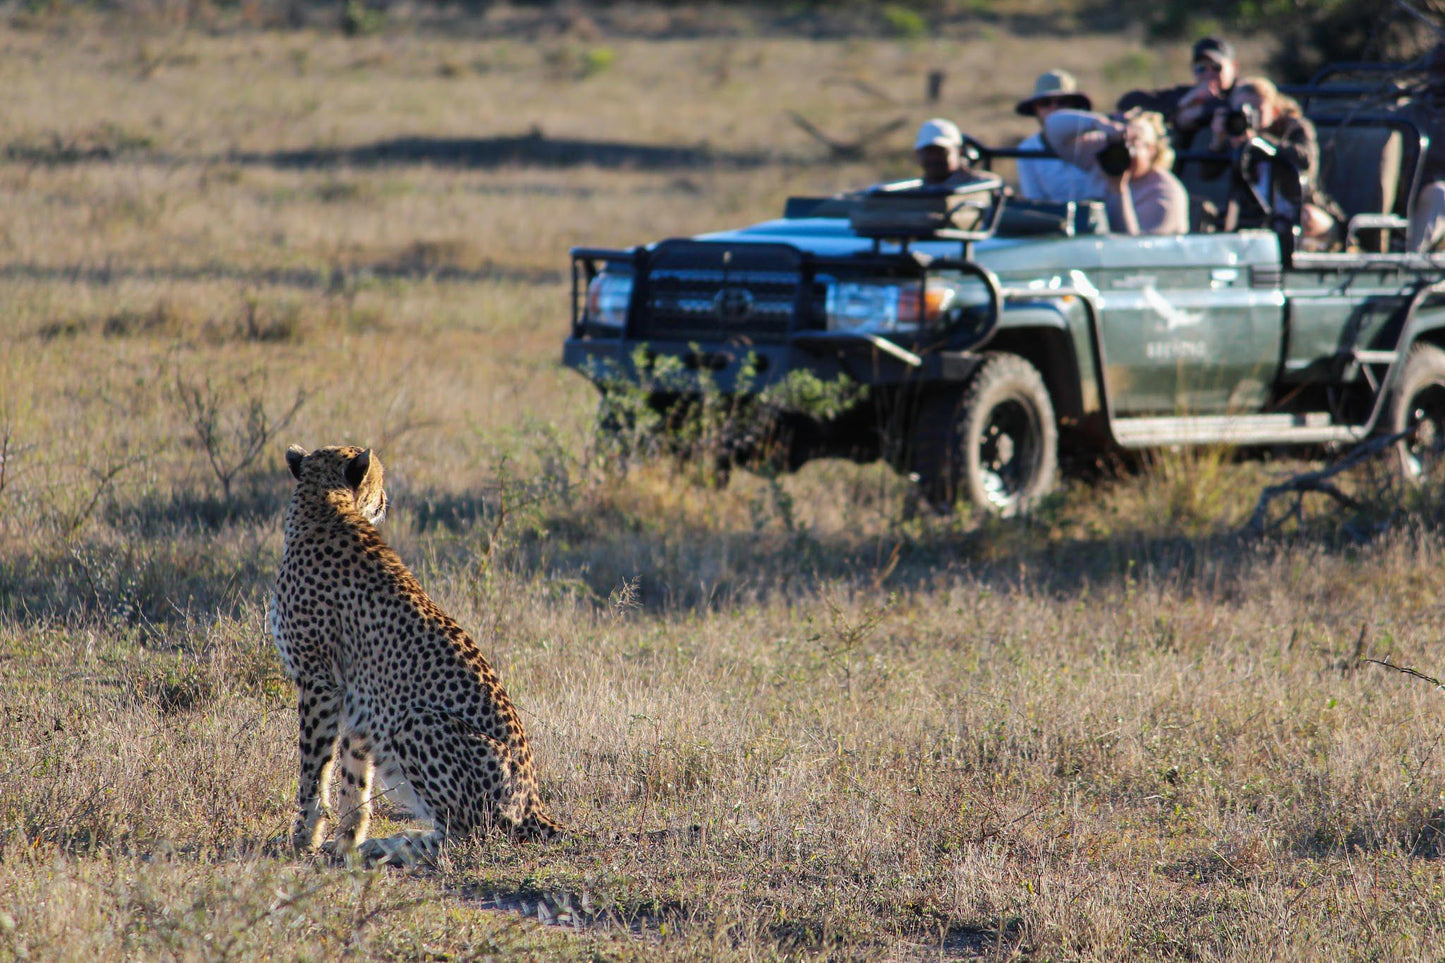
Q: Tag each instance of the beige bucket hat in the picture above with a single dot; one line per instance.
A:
(1057, 85)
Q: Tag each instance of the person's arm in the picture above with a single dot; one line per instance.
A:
(1193, 113)
(1196, 108)
(1077, 136)
(1296, 145)
(1119, 203)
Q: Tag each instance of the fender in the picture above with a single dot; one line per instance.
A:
(1054, 331)
(1429, 323)
(1425, 314)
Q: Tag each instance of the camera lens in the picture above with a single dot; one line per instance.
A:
(1239, 121)
(1115, 159)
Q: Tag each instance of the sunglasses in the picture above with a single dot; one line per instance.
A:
(1206, 66)
(1051, 102)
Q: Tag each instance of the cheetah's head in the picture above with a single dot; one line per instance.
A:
(342, 468)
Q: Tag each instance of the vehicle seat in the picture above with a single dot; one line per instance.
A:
(1360, 168)
(1208, 195)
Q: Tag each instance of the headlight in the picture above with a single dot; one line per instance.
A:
(884, 307)
(608, 295)
(863, 306)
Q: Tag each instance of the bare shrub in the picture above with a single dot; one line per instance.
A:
(230, 419)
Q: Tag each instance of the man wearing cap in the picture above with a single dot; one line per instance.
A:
(939, 146)
(1049, 178)
(1189, 108)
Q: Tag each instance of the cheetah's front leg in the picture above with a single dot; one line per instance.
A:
(353, 805)
(318, 712)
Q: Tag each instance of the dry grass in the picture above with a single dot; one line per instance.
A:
(789, 718)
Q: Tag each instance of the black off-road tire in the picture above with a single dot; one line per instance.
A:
(1418, 403)
(994, 442)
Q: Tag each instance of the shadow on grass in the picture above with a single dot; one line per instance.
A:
(158, 516)
(685, 564)
(184, 557)
(534, 149)
(193, 554)
(141, 587)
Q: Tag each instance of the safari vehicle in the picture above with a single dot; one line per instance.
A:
(997, 336)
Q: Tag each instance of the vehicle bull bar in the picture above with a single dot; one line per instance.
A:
(587, 262)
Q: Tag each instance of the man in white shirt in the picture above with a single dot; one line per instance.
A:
(1048, 178)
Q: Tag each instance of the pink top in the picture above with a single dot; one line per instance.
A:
(1156, 203)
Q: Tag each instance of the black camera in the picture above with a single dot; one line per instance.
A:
(1241, 120)
(1116, 158)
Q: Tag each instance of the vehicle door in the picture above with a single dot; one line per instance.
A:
(1342, 305)
(1190, 324)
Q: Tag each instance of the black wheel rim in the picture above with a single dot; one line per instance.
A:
(1009, 451)
(1425, 446)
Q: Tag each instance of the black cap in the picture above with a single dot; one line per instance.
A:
(1214, 49)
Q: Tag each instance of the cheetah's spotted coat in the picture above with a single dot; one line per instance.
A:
(391, 690)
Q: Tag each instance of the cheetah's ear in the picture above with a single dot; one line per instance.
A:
(356, 468)
(294, 454)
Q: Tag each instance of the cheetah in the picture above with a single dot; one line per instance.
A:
(390, 688)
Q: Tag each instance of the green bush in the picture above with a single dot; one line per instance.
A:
(685, 414)
(360, 19)
(903, 22)
(595, 60)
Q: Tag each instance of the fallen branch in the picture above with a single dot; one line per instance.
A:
(1318, 481)
(1406, 670)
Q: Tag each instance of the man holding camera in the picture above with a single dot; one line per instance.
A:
(1279, 155)
(1050, 178)
(1189, 108)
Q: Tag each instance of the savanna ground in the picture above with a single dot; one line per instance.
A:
(788, 718)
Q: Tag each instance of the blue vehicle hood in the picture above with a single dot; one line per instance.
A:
(832, 236)
(1033, 256)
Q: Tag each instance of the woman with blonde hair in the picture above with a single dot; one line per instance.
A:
(1285, 184)
(1134, 155)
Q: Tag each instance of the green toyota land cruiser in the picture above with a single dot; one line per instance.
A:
(994, 334)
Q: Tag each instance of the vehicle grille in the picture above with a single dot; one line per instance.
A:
(699, 291)
(717, 306)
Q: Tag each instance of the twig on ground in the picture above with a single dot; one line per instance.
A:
(1406, 670)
